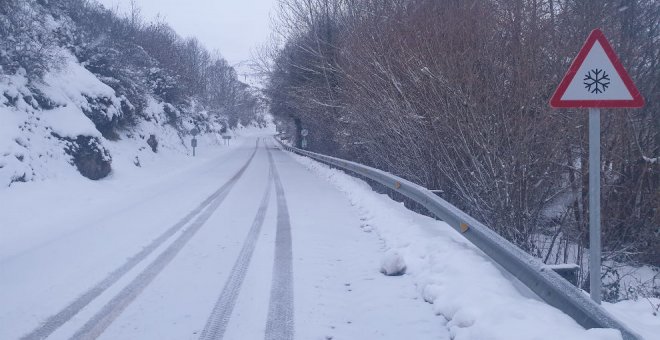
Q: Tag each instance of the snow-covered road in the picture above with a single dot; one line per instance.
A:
(248, 243)
(243, 246)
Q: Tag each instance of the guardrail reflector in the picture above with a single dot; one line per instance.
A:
(464, 227)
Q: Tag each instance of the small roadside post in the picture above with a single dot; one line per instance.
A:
(193, 142)
(226, 138)
(304, 134)
(596, 79)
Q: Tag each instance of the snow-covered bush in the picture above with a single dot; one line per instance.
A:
(26, 38)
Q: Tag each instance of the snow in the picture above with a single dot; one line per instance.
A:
(62, 236)
(476, 298)
(52, 223)
(563, 266)
(49, 224)
(28, 149)
(73, 84)
(69, 121)
(10, 119)
(393, 263)
(69, 200)
(30, 144)
(643, 315)
(339, 290)
(651, 160)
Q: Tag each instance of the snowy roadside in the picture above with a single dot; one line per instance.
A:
(37, 212)
(465, 287)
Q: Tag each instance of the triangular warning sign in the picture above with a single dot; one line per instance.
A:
(596, 79)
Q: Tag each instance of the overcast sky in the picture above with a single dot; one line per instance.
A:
(232, 27)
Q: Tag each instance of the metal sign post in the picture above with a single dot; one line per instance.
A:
(596, 79)
(594, 205)
(193, 142)
(304, 134)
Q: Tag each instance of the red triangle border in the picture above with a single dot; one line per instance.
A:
(596, 35)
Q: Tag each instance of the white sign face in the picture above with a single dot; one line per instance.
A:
(597, 79)
(304, 132)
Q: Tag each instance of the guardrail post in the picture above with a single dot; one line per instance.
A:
(567, 271)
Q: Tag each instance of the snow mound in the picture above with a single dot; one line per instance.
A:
(80, 91)
(393, 263)
(643, 315)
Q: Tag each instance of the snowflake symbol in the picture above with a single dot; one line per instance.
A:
(596, 81)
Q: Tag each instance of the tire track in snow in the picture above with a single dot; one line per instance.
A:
(57, 320)
(280, 323)
(216, 325)
(104, 318)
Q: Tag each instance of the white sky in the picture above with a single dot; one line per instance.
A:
(232, 27)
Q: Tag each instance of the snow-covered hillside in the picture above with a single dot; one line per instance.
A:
(46, 131)
(82, 89)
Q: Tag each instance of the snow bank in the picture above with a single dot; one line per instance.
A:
(43, 211)
(69, 121)
(478, 300)
(642, 315)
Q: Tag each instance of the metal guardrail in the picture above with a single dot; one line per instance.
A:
(538, 277)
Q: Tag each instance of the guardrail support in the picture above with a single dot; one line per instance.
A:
(567, 271)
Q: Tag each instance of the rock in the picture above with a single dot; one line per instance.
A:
(90, 157)
(18, 179)
(153, 143)
(97, 111)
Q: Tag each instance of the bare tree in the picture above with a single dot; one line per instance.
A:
(453, 95)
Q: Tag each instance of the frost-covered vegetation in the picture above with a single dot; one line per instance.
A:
(454, 95)
(76, 77)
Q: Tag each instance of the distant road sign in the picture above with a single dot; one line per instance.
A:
(596, 79)
(304, 132)
(194, 132)
(226, 137)
(193, 143)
